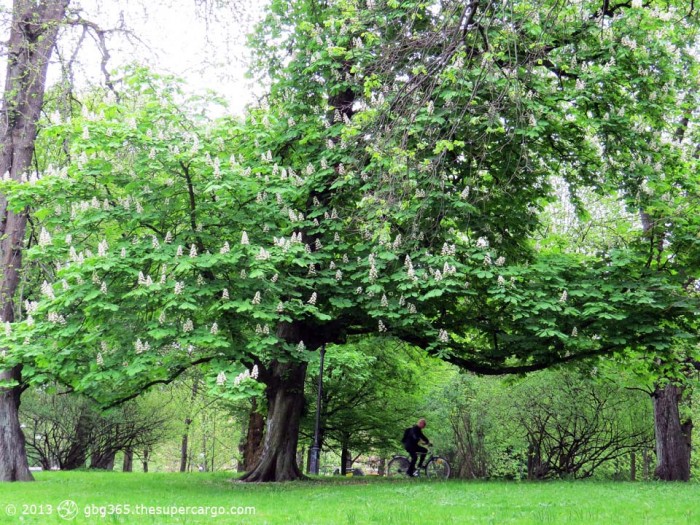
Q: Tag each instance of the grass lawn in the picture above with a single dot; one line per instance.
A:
(337, 501)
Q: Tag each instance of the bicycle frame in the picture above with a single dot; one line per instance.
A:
(401, 463)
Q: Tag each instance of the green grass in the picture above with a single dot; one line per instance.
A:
(349, 501)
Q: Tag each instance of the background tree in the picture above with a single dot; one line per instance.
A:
(574, 429)
(70, 432)
(473, 425)
(371, 390)
(211, 420)
(555, 423)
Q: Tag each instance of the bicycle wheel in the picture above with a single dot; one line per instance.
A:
(438, 468)
(397, 466)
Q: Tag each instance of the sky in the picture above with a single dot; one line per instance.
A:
(197, 40)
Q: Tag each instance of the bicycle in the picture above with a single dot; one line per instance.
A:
(435, 467)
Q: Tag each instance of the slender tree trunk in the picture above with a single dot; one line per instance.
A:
(672, 437)
(213, 444)
(240, 465)
(144, 462)
(633, 466)
(345, 459)
(32, 38)
(128, 464)
(300, 457)
(645, 463)
(203, 464)
(307, 460)
(184, 445)
(185, 436)
(285, 401)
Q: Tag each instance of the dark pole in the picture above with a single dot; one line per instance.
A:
(316, 448)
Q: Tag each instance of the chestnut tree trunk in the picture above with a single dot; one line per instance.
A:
(13, 455)
(285, 401)
(672, 436)
(254, 437)
(32, 38)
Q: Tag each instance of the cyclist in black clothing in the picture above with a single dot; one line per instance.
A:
(411, 437)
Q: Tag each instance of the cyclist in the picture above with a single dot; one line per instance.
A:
(412, 436)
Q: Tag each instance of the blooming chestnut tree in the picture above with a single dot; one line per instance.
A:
(129, 231)
(392, 183)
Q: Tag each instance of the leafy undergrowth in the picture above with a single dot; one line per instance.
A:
(160, 498)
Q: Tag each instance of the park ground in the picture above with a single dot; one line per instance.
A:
(216, 499)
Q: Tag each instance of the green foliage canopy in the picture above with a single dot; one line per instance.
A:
(393, 183)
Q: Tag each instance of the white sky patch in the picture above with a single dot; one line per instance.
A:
(202, 43)
(607, 220)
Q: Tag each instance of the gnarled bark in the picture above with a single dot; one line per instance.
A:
(285, 401)
(284, 391)
(672, 436)
(13, 455)
(252, 447)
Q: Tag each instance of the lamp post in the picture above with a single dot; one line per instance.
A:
(316, 448)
